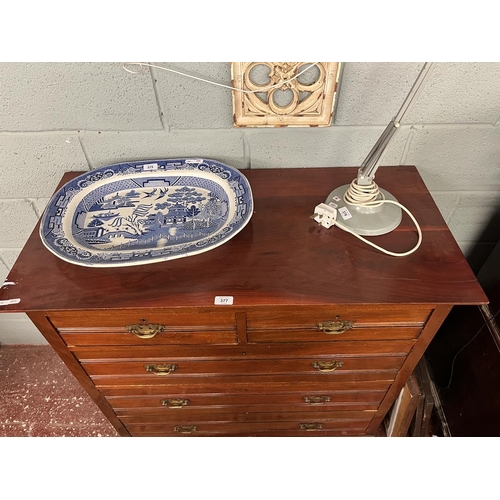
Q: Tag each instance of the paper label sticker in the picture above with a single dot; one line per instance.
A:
(344, 212)
(9, 302)
(223, 300)
(150, 166)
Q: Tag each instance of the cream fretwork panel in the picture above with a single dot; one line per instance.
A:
(308, 103)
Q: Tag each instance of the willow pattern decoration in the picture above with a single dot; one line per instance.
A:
(300, 101)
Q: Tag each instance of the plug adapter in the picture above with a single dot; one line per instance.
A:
(325, 215)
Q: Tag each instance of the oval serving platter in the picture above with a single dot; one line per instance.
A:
(147, 211)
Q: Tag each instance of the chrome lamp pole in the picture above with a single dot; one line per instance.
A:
(370, 220)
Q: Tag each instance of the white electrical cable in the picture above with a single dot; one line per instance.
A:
(366, 196)
(363, 195)
(263, 89)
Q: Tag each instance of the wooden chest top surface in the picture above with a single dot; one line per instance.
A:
(281, 257)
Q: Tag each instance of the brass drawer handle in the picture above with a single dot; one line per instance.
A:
(165, 369)
(317, 400)
(175, 403)
(186, 429)
(335, 327)
(144, 331)
(311, 426)
(327, 366)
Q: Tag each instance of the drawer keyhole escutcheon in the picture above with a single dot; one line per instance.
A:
(145, 331)
(186, 429)
(165, 369)
(311, 426)
(335, 327)
(175, 403)
(327, 366)
(317, 400)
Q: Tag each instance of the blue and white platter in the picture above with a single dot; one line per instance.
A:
(146, 211)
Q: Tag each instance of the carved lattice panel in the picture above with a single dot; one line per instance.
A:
(306, 101)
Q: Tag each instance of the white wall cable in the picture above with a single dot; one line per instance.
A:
(263, 89)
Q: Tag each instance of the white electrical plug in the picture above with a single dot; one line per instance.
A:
(325, 215)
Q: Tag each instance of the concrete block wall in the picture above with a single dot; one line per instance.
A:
(57, 117)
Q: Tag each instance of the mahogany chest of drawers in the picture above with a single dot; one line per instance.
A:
(321, 336)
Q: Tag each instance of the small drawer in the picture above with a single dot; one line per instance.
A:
(353, 316)
(108, 337)
(319, 334)
(193, 319)
(146, 327)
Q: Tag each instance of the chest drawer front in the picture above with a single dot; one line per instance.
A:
(231, 384)
(262, 351)
(101, 337)
(307, 318)
(317, 335)
(303, 401)
(170, 319)
(251, 408)
(146, 327)
(307, 428)
(214, 416)
(225, 386)
(173, 368)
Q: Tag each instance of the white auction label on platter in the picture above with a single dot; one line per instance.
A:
(224, 300)
(150, 166)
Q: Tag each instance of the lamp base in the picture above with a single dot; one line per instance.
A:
(368, 221)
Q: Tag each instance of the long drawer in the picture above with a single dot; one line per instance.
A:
(236, 382)
(346, 348)
(306, 428)
(256, 385)
(208, 411)
(303, 401)
(211, 416)
(172, 367)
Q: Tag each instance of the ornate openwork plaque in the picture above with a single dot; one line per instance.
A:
(307, 100)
